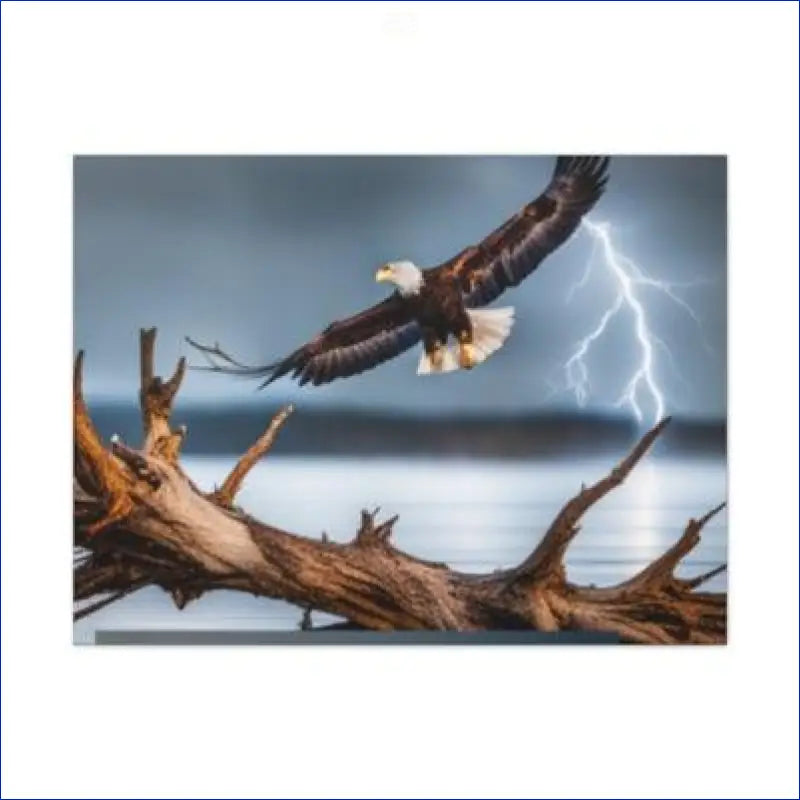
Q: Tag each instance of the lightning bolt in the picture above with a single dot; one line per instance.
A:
(629, 279)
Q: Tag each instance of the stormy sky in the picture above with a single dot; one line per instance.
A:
(260, 253)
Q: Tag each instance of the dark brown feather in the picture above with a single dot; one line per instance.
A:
(514, 250)
(353, 345)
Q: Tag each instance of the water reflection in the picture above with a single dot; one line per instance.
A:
(476, 515)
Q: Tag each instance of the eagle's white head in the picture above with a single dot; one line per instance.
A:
(403, 274)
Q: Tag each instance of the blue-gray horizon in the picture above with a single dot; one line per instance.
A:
(260, 253)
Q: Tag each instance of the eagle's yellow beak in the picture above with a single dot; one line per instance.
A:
(383, 274)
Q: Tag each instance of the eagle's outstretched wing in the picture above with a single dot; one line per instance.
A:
(344, 348)
(510, 253)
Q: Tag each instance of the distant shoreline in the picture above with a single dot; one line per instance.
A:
(230, 430)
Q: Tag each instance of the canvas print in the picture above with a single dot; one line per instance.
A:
(400, 399)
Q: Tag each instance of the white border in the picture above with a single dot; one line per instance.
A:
(399, 77)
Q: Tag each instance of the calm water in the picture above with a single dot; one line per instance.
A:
(477, 515)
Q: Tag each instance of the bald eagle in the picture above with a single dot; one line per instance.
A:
(441, 303)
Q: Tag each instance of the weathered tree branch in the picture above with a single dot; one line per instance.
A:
(659, 574)
(231, 485)
(155, 398)
(95, 468)
(547, 557)
(370, 533)
(220, 361)
(693, 583)
(139, 520)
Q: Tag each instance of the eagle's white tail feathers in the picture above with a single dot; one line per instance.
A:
(490, 329)
(449, 363)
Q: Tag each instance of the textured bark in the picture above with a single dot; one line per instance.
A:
(139, 521)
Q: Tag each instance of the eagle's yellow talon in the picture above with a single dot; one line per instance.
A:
(466, 355)
(437, 357)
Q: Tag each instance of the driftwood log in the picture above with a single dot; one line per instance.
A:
(140, 520)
